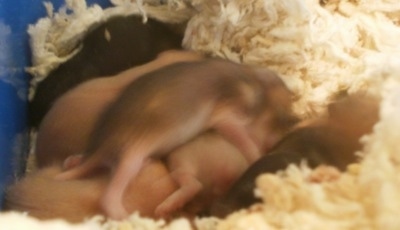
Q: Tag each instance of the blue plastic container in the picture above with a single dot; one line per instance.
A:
(15, 16)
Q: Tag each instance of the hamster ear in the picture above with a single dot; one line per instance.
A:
(357, 112)
(277, 92)
(269, 77)
(355, 106)
(72, 161)
(279, 98)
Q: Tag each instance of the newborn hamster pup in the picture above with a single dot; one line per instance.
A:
(60, 136)
(331, 141)
(206, 166)
(168, 107)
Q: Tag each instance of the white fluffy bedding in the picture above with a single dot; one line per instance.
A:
(319, 47)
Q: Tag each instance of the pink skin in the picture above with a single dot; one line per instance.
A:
(61, 136)
(224, 102)
(67, 134)
(198, 169)
(205, 168)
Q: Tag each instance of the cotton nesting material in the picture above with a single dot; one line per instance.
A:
(18, 221)
(319, 50)
(367, 196)
(56, 38)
